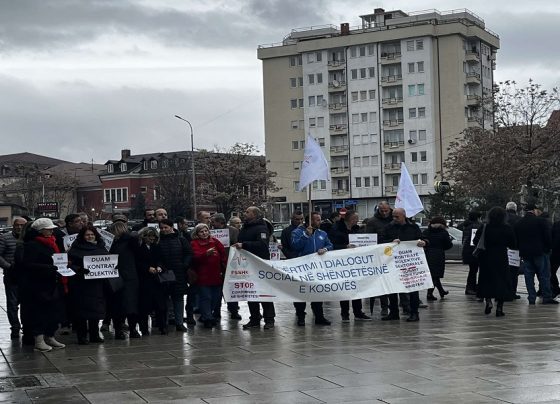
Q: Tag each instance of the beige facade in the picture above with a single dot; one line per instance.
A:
(400, 88)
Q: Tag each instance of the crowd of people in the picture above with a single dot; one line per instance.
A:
(161, 261)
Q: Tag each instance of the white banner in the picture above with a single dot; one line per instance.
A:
(68, 240)
(101, 266)
(362, 239)
(61, 262)
(348, 274)
(107, 238)
(222, 235)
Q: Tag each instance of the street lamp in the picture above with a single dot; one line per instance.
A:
(193, 191)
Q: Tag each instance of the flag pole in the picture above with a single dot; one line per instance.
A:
(310, 204)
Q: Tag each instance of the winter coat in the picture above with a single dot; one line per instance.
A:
(209, 268)
(556, 239)
(533, 236)
(146, 258)
(286, 241)
(7, 257)
(125, 247)
(254, 238)
(404, 232)
(466, 253)
(176, 253)
(304, 244)
(438, 241)
(87, 296)
(494, 280)
(378, 223)
(339, 234)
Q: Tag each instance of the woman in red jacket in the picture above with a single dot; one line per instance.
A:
(209, 262)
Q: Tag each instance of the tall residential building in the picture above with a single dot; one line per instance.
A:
(400, 87)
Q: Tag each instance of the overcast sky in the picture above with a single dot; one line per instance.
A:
(82, 79)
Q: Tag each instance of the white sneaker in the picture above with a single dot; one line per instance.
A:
(54, 343)
(40, 345)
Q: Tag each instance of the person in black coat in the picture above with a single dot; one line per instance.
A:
(494, 281)
(87, 296)
(176, 255)
(472, 223)
(555, 259)
(402, 229)
(254, 237)
(339, 237)
(153, 292)
(438, 242)
(286, 237)
(44, 284)
(124, 299)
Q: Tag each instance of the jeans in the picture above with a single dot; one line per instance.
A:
(12, 303)
(540, 266)
(208, 298)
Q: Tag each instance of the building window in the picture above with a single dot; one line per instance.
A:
(116, 195)
(363, 116)
(358, 182)
(374, 160)
(354, 95)
(296, 186)
(362, 51)
(143, 189)
(373, 138)
(365, 139)
(353, 52)
(318, 56)
(412, 112)
(311, 122)
(302, 144)
(357, 162)
(293, 61)
(372, 94)
(311, 101)
(373, 116)
(293, 103)
(367, 182)
(371, 49)
(423, 156)
(409, 45)
(354, 74)
(321, 122)
(365, 161)
(375, 181)
(165, 163)
(419, 44)
(300, 102)
(110, 168)
(412, 135)
(420, 89)
(319, 100)
(310, 57)
(145, 165)
(415, 179)
(295, 145)
(294, 125)
(300, 81)
(153, 164)
(363, 73)
(411, 90)
(420, 66)
(424, 179)
(422, 134)
(371, 71)
(421, 112)
(411, 67)
(296, 165)
(321, 141)
(319, 78)
(293, 82)
(355, 118)
(363, 95)
(311, 78)
(413, 157)
(356, 140)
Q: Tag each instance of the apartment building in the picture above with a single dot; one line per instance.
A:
(399, 87)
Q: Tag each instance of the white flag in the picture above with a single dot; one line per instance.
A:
(314, 165)
(407, 197)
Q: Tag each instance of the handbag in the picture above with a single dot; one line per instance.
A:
(480, 245)
(166, 276)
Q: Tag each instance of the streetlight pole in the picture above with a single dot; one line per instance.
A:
(193, 191)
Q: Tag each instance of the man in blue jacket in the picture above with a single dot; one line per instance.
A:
(309, 239)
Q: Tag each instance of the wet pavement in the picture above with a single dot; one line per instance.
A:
(455, 354)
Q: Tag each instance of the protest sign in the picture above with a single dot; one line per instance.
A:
(222, 235)
(274, 251)
(107, 238)
(348, 274)
(68, 240)
(61, 262)
(362, 239)
(101, 266)
(513, 258)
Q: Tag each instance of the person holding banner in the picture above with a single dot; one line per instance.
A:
(438, 241)
(87, 296)
(340, 240)
(286, 237)
(402, 229)
(310, 239)
(253, 237)
(44, 284)
(209, 262)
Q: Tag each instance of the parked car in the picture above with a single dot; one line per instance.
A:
(453, 254)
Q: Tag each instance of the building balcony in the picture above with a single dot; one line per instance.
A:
(472, 57)
(393, 123)
(339, 150)
(340, 192)
(337, 106)
(394, 145)
(336, 64)
(390, 57)
(392, 102)
(391, 80)
(338, 129)
(391, 189)
(473, 100)
(392, 166)
(473, 77)
(337, 85)
(340, 171)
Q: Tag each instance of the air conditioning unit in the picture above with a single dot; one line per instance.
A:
(411, 141)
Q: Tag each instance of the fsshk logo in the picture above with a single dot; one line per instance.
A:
(307, 159)
(239, 262)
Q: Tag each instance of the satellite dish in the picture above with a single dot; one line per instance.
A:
(335, 83)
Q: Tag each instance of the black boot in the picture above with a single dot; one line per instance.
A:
(488, 308)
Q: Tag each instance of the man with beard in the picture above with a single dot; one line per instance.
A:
(286, 238)
(149, 217)
(253, 237)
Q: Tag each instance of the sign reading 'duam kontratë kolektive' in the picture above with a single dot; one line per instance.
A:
(101, 266)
